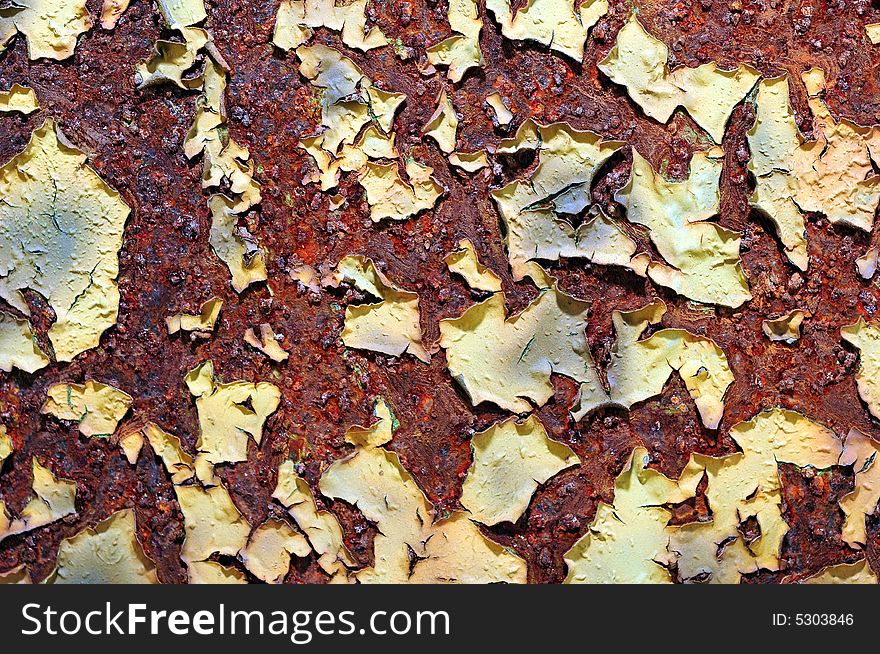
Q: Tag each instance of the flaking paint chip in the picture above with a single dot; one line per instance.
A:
(19, 98)
(96, 408)
(844, 573)
(112, 11)
(270, 548)
(391, 197)
(626, 542)
(61, 230)
(18, 346)
(469, 162)
(5, 445)
(266, 342)
(231, 415)
(562, 25)
(461, 51)
(108, 553)
(201, 325)
(321, 527)
(51, 27)
(388, 324)
(786, 328)
(832, 175)
(701, 259)
(536, 211)
(866, 338)
(508, 360)
(638, 61)
(510, 460)
(640, 368)
(53, 498)
(503, 115)
(297, 20)
(860, 451)
(747, 485)
(450, 550)
(212, 524)
(463, 261)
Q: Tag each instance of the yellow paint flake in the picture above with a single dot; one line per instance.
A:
(638, 62)
(53, 499)
(108, 553)
(321, 527)
(269, 549)
(860, 451)
(131, 445)
(349, 102)
(182, 13)
(560, 24)
(461, 51)
(371, 145)
(172, 59)
(866, 337)
(632, 541)
(508, 361)
(266, 342)
(469, 162)
(510, 461)
(745, 485)
(226, 161)
(210, 107)
(201, 325)
(298, 18)
(18, 346)
(5, 445)
(503, 115)
(51, 27)
(535, 210)
(389, 196)
(235, 246)
(626, 542)
(451, 550)
(844, 573)
(112, 11)
(873, 32)
(211, 572)
(227, 166)
(231, 163)
(786, 328)
(18, 575)
(61, 230)
(832, 175)
(464, 262)
(212, 523)
(306, 277)
(866, 265)
(374, 480)
(19, 98)
(384, 106)
(458, 553)
(390, 325)
(528, 137)
(230, 416)
(96, 407)
(702, 259)
(639, 369)
(167, 447)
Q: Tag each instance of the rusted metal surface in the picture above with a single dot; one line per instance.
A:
(134, 139)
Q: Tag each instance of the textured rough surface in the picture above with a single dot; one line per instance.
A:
(133, 138)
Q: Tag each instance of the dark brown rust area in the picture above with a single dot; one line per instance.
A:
(134, 139)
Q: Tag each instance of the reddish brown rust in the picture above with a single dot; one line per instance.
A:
(134, 139)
